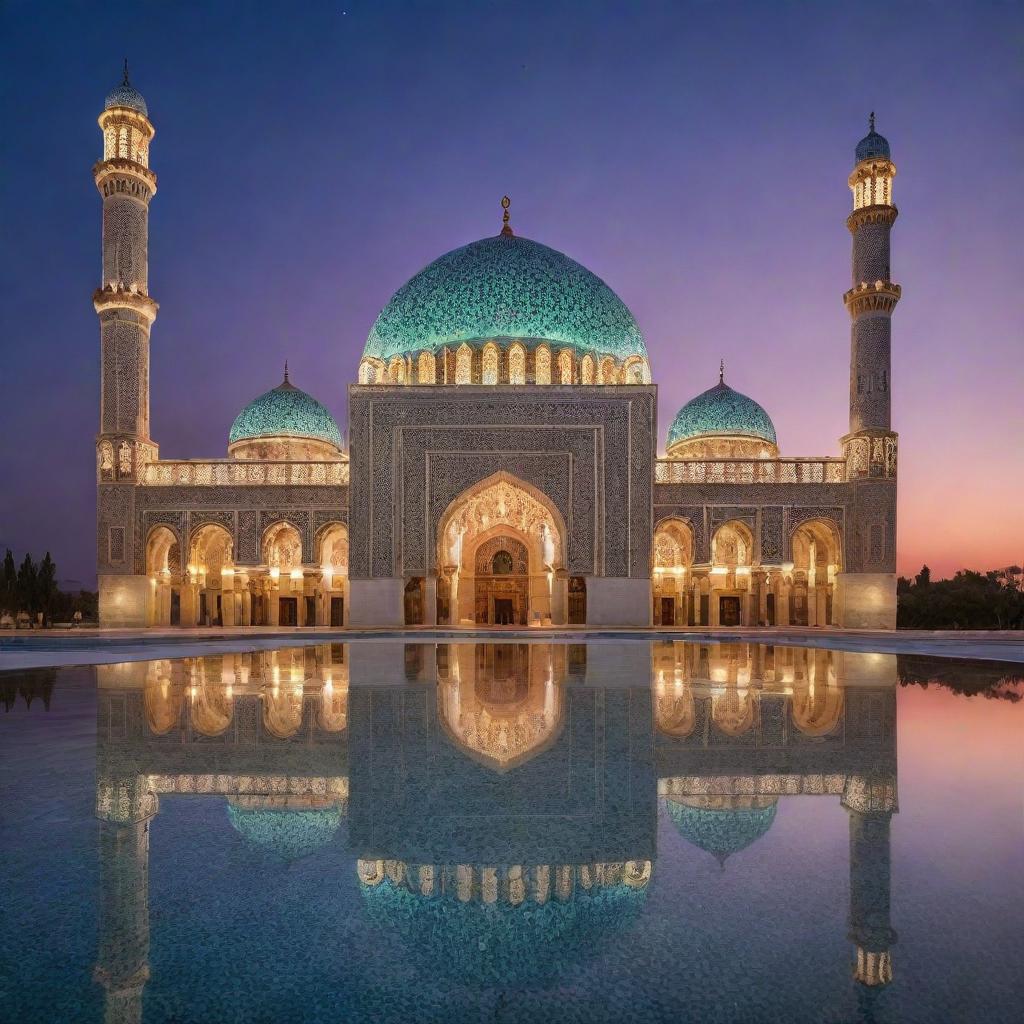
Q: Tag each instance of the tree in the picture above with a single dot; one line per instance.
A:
(46, 587)
(9, 585)
(970, 600)
(27, 590)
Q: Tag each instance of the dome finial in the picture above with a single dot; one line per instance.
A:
(126, 82)
(721, 372)
(286, 372)
(506, 228)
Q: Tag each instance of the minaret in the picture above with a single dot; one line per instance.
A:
(126, 312)
(122, 301)
(873, 296)
(866, 588)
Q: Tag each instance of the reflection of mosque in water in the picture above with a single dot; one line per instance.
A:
(500, 799)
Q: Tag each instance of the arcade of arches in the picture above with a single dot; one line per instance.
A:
(210, 589)
(732, 590)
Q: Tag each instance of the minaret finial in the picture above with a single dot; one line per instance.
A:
(871, 121)
(721, 372)
(506, 228)
(126, 82)
(286, 372)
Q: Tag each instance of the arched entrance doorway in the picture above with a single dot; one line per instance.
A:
(500, 553)
(163, 566)
(673, 556)
(211, 578)
(816, 560)
(730, 584)
(502, 582)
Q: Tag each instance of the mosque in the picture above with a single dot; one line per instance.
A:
(500, 465)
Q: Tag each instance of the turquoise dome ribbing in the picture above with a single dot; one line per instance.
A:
(288, 834)
(721, 831)
(721, 411)
(502, 288)
(285, 412)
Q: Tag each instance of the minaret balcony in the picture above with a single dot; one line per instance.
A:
(872, 297)
(877, 214)
(119, 296)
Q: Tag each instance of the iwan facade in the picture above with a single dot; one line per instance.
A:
(501, 462)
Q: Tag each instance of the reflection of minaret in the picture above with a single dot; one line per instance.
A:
(871, 804)
(122, 967)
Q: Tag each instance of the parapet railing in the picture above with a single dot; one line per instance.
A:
(201, 472)
(750, 471)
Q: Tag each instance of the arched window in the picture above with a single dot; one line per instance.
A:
(517, 364)
(501, 565)
(489, 370)
(426, 368)
(122, 142)
(607, 370)
(542, 365)
(587, 369)
(464, 365)
(565, 366)
(396, 370)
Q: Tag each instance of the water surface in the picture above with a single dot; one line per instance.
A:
(513, 832)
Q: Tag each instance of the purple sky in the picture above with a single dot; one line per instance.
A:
(693, 155)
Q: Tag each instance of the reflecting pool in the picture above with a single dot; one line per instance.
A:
(627, 831)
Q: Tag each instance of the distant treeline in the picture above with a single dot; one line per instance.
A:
(31, 589)
(970, 600)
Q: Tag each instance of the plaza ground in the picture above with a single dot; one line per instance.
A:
(20, 649)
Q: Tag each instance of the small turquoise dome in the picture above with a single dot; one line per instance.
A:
(721, 831)
(505, 288)
(285, 412)
(873, 146)
(721, 412)
(126, 96)
(288, 834)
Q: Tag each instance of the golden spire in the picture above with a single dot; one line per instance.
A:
(506, 228)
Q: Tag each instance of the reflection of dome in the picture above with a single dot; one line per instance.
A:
(721, 412)
(285, 832)
(725, 826)
(285, 412)
(499, 943)
(502, 288)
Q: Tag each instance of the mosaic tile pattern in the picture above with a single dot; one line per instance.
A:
(505, 288)
(286, 411)
(126, 96)
(871, 146)
(721, 410)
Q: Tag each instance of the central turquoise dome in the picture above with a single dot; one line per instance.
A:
(504, 288)
(721, 412)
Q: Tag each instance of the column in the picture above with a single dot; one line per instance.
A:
(430, 601)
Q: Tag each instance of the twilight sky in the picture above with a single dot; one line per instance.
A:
(312, 157)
